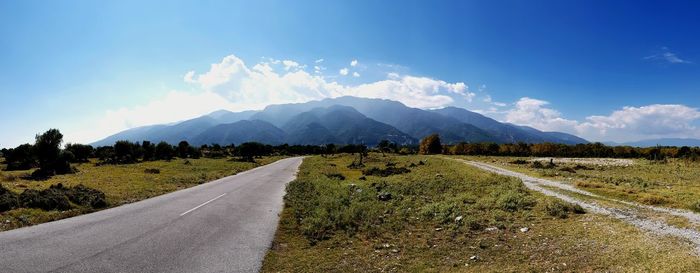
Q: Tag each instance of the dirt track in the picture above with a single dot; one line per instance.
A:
(648, 218)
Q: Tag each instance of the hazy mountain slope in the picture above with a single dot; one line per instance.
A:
(505, 132)
(415, 122)
(343, 120)
(239, 132)
(679, 142)
(225, 116)
(133, 134)
(344, 124)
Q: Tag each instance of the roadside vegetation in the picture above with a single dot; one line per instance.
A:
(673, 182)
(444, 216)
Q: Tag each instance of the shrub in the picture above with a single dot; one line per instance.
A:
(8, 199)
(48, 199)
(152, 171)
(335, 176)
(582, 167)
(385, 172)
(519, 162)
(567, 169)
(84, 196)
(514, 200)
(561, 209)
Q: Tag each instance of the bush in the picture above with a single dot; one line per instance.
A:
(561, 209)
(514, 200)
(385, 172)
(48, 199)
(152, 171)
(84, 196)
(8, 199)
(567, 169)
(335, 176)
(519, 162)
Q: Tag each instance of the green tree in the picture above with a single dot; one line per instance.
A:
(430, 145)
(182, 149)
(48, 152)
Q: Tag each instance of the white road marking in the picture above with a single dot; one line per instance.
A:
(186, 212)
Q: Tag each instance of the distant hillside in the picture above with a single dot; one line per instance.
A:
(505, 132)
(679, 142)
(341, 124)
(241, 131)
(343, 120)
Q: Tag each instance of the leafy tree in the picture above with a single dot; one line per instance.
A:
(48, 152)
(149, 150)
(124, 152)
(20, 158)
(248, 150)
(80, 152)
(182, 149)
(430, 145)
(164, 151)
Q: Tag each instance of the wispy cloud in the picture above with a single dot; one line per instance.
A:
(668, 57)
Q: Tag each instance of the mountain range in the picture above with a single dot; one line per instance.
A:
(677, 142)
(343, 120)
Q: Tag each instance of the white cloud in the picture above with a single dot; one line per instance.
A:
(353, 63)
(176, 105)
(535, 113)
(262, 85)
(355, 74)
(318, 61)
(290, 64)
(667, 56)
(628, 123)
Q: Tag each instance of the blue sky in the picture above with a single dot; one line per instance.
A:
(605, 70)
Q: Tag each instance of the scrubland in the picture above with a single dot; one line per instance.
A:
(442, 215)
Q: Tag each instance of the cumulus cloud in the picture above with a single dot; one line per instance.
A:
(343, 71)
(535, 113)
(628, 123)
(355, 74)
(290, 64)
(260, 85)
(353, 63)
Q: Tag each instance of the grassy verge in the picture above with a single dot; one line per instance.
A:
(444, 216)
(674, 184)
(121, 184)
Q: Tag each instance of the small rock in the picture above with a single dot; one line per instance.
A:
(394, 250)
(386, 245)
(474, 257)
(491, 229)
(525, 229)
(438, 229)
(458, 218)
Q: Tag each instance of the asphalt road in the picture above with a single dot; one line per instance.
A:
(226, 225)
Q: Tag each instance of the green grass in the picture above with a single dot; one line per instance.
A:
(333, 225)
(121, 183)
(674, 184)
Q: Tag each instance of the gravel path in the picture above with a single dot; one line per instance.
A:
(632, 213)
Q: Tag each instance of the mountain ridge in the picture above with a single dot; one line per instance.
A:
(342, 120)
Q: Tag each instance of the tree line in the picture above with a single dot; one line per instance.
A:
(47, 155)
(431, 145)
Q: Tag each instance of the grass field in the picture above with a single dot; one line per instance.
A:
(445, 216)
(675, 183)
(121, 183)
